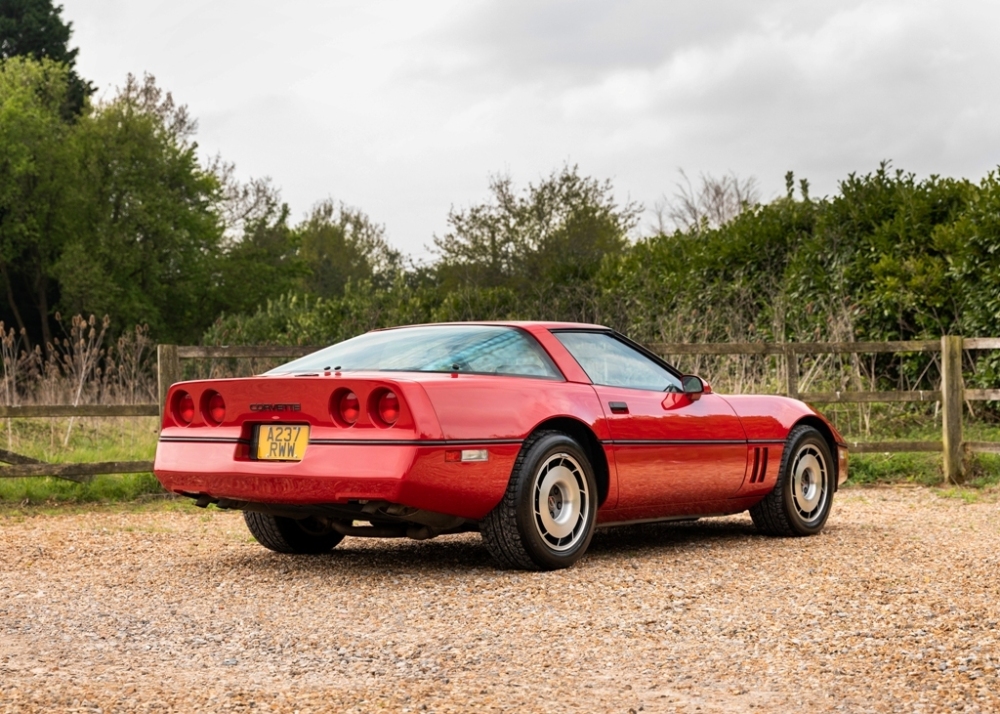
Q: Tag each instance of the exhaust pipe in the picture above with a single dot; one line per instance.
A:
(368, 531)
(402, 531)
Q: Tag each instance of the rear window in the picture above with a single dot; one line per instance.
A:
(476, 349)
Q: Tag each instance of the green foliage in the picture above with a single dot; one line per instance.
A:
(111, 214)
(338, 244)
(37, 183)
(301, 320)
(871, 469)
(34, 29)
(262, 264)
(102, 489)
(333, 248)
(709, 284)
(889, 257)
(528, 255)
(557, 231)
(982, 470)
(147, 233)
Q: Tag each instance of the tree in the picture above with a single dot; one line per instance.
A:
(260, 265)
(38, 185)
(147, 234)
(715, 202)
(555, 232)
(35, 29)
(338, 244)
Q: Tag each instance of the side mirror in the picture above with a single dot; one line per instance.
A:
(694, 387)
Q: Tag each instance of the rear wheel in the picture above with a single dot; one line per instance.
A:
(546, 518)
(291, 535)
(800, 502)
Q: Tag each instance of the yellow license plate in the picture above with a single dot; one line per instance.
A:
(282, 442)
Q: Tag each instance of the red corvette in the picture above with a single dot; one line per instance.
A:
(531, 433)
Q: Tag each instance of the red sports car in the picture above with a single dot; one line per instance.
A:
(532, 433)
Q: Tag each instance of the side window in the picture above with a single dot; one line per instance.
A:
(611, 362)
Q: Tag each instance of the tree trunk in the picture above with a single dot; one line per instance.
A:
(13, 304)
(43, 308)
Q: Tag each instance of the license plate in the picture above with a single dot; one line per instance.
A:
(282, 442)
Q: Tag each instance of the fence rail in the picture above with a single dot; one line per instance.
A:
(951, 396)
(196, 352)
(796, 348)
(91, 410)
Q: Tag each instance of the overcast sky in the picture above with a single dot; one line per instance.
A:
(404, 108)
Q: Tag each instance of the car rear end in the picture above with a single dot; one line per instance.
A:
(324, 439)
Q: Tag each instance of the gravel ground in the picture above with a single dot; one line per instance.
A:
(894, 608)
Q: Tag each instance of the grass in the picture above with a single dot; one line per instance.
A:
(91, 439)
(12, 512)
(109, 488)
(965, 494)
(983, 470)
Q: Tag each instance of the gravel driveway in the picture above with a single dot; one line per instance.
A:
(895, 608)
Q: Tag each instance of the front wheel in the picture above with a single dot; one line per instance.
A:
(546, 518)
(290, 535)
(800, 502)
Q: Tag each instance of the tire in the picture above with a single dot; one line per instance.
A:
(803, 495)
(545, 520)
(289, 535)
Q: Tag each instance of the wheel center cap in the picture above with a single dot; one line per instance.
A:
(555, 504)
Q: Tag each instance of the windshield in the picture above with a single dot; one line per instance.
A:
(477, 349)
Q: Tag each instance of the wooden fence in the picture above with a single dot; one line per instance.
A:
(168, 371)
(952, 395)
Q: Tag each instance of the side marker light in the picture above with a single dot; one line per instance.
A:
(466, 455)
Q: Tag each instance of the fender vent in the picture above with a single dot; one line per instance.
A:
(759, 469)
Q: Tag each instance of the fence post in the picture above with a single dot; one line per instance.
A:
(791, 372)
(951, 407)
(168, 371)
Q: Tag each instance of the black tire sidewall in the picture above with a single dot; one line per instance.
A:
(537, 549)
(286, 535)
(306, 541)
(814, 438)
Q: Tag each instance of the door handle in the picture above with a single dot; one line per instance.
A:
(618, 407)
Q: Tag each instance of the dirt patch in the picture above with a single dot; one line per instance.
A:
(896, 607)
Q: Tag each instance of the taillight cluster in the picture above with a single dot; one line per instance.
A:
(346, 408)
(213, 407)
(383, 407)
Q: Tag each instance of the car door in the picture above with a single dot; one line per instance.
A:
(669, 447)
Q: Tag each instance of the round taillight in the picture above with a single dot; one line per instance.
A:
(388, 408)
(349, 407)
(184, 408)
(215, 408)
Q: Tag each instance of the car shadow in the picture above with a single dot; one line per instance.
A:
(466, 552)
(381, 556)
(663, 537)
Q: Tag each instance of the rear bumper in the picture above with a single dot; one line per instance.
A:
(413, 474)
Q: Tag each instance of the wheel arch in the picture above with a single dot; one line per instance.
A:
(827, 433)
(587, 439)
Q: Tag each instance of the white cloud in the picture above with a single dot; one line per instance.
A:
(404, 109)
